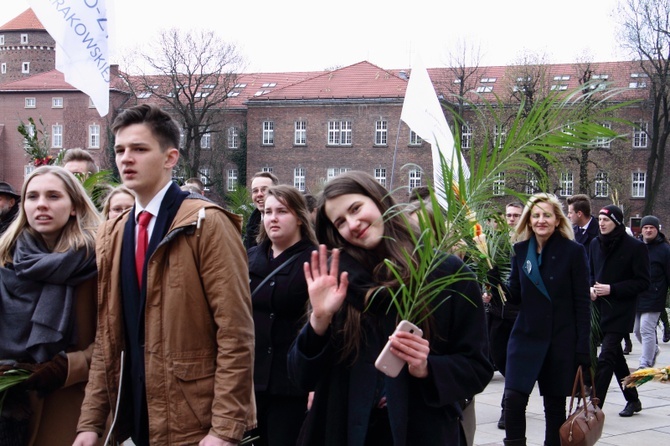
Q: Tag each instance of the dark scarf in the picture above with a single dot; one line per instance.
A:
(609, 241)
(38, 298)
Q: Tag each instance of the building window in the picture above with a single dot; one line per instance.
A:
(381, 133)
(466, 136)
(499, 135)
(57, 136)
(28, 169)
(91, 104)
(335, 171)
(567, 184)
(640, 135)
(639, 183)
(300, 134)
(299, 178)
(204, 175)
(531, 183)
(2, 40)
(206, 140)
(231, 180)
(25, 67)
(3, 68)
(601, 141)
(94, 136)
(339, 133)
(499, 184)
(602, 188)
(268, 133)
(639, 80)
(414, 139)
(24, 39)
(414, 176)
(31, 102)
(56, 102)
(266, 169)
(380, 176)
(233, 138)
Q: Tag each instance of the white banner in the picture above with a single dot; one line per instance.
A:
(422, 112)
(80, 29)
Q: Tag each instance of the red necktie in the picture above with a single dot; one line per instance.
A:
(142, 243)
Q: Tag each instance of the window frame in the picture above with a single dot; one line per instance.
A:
(231, 179)
(640, 139)
(381, 133)
(299, 174)
(93, 136)
(57, 136)
(380, 175)
(300, 133)
(638, 186)
(268, 137)
(340, 133)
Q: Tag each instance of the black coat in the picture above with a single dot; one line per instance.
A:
(280, 306)
(549, 332)
(251, 230)
(653, 299)
(421, 411)
(626, 270)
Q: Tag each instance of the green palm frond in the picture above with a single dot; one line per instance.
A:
(535, 139)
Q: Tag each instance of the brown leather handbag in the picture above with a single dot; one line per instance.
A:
(584, 426)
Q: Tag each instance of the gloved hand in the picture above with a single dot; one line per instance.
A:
(47, 376)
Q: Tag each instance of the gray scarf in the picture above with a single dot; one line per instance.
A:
(38, 299)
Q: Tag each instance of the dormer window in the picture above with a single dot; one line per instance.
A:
(24, 39)
(25, 67)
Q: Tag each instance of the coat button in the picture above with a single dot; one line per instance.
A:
(269, 350)
(272, 283)
(272, 315)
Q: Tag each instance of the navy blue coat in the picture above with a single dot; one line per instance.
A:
(421, 411)
(549, 331)
(592, 232)
(626, 270)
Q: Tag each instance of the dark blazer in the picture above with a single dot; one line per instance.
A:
(652, 300)
(592, 232)
(549, 331)
(134, 300)
(279, 307)
(420, 411)
(626, 270)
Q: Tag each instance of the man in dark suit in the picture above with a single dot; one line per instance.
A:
(175, 309)
(584, 225)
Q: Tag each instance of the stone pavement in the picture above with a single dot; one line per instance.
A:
(651, 426)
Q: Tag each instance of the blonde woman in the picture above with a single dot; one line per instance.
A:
(48, 307)
(550, 338)
(118, 200)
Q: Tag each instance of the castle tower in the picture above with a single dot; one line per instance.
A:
(26, 48)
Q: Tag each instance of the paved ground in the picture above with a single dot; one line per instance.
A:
(649, 427)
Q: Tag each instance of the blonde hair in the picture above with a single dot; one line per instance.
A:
(121, 189)
(78, 232)
(523, 229)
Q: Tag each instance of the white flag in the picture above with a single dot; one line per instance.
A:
(80, 31)
(422, 112)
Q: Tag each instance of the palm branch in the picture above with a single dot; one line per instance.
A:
(536, 137)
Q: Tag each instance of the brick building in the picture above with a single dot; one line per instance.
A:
(306, 127)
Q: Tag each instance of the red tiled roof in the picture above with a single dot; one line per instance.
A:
(51, 80)
(25, 21)
(361, 80)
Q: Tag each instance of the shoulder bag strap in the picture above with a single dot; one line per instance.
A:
(275, 271)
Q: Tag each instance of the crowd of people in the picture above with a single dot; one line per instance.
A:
(150, 316)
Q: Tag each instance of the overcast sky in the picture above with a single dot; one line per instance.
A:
(297, 35)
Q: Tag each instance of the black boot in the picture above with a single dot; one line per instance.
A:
(628, 346)
(501, 420)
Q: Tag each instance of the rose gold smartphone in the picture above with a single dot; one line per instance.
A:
(387, 362)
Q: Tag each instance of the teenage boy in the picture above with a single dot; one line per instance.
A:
(175, 321)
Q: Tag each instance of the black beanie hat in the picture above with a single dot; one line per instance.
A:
(650, 220)
(614, 213)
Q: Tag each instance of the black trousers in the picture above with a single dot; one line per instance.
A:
(279, 419)
(515, 416)
(612, 361)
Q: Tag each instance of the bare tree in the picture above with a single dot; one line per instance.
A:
(464, 72)
(192, 74)
(645, 33)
